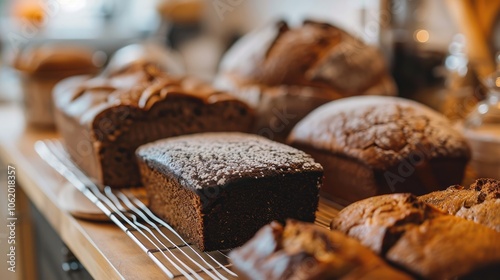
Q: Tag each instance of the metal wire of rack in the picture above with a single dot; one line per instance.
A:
(162, 244)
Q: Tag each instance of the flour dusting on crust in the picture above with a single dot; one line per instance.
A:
(217, 159)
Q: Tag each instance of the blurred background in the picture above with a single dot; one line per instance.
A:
(438, 51)
(415, 36)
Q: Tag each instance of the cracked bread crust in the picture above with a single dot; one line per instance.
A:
(315, 54)
(480, 202)
(421, 238)
(373, 145)
(104, 119)
(283, 69)
(380, 221)
(379, 131)
(306, 251)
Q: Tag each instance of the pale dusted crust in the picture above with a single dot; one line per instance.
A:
(379, 131)
(206, 160)
(422, 239)
(306, 251)
(480, 202)
(240, 183)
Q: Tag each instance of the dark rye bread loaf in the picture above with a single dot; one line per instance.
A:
(103, 120)
(286, 72)
(480, 202)
(219, 189)
(306, 251)
(421, 239)
(374, 145)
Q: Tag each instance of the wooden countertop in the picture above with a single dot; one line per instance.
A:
(103, 248)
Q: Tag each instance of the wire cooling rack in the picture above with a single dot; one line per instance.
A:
(159, 241)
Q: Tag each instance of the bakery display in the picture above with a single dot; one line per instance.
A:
(286, 72)
(103, 120)
(480, 202)
(218, 189)
(373, 145)
(421, 239)
(41, 67)
(305, 251)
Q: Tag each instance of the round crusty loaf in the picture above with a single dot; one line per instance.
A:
(379, 130)
(287, 72)
(371, 145)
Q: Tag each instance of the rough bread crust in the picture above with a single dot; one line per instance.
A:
(218, 189)
(285, 72)
(104, 119)
(306, 251)
(379, 131)
(480, 202)
(421, 238)
(407, 146)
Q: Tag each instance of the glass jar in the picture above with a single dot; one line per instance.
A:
(482, 129)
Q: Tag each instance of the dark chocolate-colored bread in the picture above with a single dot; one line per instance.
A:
(103, 120)
(287, 72)
(421, 239)
(480, 202)
(306, 251)
(372, 145)
(219, 189)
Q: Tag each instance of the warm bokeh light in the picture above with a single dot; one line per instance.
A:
(422, 35)
(29, 10)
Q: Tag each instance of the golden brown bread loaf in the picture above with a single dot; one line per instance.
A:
(103, 120)
(480, 202)
(287, 72)
(372, 145)
(422, 239)
(305, 251)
